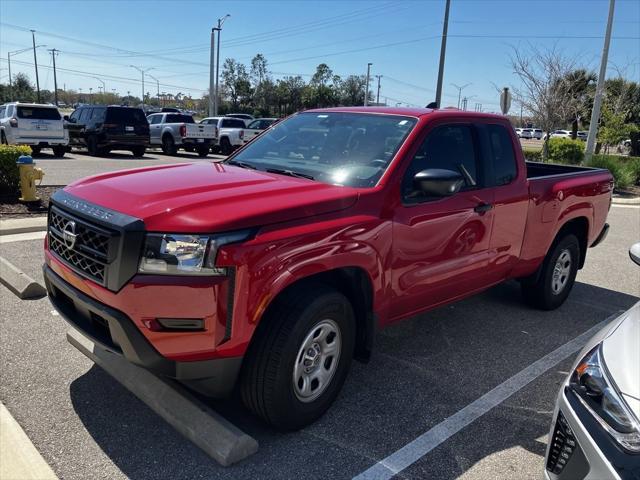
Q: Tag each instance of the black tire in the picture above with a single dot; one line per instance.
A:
(138, 151)
(267, 378)
(225, 146)
(557, 275)
(188, 148)
(59, 151)
(92, 146)
(168, 145)
(203, 150)
(3, 139)
(35, 150)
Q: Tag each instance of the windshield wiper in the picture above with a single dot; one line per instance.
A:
(289, 173)
(241, 164)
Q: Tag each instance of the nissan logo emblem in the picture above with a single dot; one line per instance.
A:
(69, 234)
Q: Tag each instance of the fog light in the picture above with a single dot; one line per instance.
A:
(181, 323)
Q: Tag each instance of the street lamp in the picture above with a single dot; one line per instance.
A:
(218, 29)
(460, 88)
(17, 52)
(142, 72)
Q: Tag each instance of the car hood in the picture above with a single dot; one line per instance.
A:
(621, 352)
(210, 197)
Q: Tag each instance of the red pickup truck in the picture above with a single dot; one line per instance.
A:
(271, 270)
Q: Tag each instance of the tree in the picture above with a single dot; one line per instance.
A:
(258, 70)
(236, 81)
(20, 91)
(352, 90)
(614, 130)
(578, 83)
(542, 91)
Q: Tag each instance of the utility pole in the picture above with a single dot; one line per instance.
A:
(218, 29)
(460, 88)
(378, 94)
(443, 49)
(9, 64)
(366, 89)
(54, 52)
(597, 101)
(212, 68)
(35, 61)
(91, 95)
(464, 103)
(142, 72)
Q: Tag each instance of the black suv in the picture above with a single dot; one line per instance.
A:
(103, 128)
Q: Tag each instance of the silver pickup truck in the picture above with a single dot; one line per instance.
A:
(176, 130)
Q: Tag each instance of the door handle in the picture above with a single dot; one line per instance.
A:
(483, 208)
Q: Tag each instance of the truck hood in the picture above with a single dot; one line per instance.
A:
(210, 197)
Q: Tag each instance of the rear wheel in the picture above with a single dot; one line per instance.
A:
(138, 151)
(203, 150)
(556, 277)
(59, 151)
(300, 357)
(168, 145)
(35, 150)
(225, 146)
(3, 139)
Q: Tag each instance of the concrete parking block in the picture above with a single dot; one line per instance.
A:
(19, 459)
(19, 282)
(215, 435)
(11, 226)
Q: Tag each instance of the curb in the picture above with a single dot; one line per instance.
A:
(215, 435)
(19, 282)
(12, 226)
(19, 458)
(625, 201)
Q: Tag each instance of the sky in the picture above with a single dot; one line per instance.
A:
(401, 38)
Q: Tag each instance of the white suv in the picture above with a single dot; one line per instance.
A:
(36, 125)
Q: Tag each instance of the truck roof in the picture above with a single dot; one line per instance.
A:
(407, 111)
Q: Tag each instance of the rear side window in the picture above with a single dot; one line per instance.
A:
(233, 123)
(39, 113)
(129, 116)
(179, 118)
(2, 110)
(504, 159)
(450, 147)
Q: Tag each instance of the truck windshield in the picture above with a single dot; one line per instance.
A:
(341, 148)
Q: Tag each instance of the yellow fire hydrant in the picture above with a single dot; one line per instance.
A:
(28, 176)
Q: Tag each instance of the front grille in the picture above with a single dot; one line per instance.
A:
(563, 444)
(79, 244)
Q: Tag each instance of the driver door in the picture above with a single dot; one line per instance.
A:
(441, 245)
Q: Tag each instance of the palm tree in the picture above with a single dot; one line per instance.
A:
(578, 83)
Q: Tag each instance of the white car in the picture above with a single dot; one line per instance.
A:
(37, 125)
(245, 117)
(582, 135)
(230, 133)
(561, 134)
(536, 133)
(595, 432)
(526, 133)
(257, 126)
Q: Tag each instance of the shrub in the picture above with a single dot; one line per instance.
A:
(632, 164)
(532, 155)
(622, 174)
(564, 150)
(9, 174)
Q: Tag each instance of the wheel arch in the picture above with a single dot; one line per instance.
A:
(578, 226)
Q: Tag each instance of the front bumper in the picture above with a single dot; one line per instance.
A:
(115, 331)
(595, 456)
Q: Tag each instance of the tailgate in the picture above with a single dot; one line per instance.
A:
(39, 122)
(197, 130)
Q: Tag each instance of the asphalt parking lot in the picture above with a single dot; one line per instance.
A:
(424, 371)
(77, 164)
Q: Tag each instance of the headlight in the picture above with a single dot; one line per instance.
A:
(174, 254)
(597, 393)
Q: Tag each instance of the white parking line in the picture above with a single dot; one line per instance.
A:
(617, 205)
(22, 237)
(413, 451)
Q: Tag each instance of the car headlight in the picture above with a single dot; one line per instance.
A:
(590, 382)
(180, 254)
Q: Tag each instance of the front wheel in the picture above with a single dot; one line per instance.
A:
(35, 150)
(556, 277)
(225, 146)
(168, 145)
(59, 151)
(300, 357)
(138, 151)
(92, 146)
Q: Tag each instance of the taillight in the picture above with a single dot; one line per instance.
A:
(183, 130)
(13, 122)
(215, 131)
(110, 125)
(241, 134)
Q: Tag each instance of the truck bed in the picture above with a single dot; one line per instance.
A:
(539, 170)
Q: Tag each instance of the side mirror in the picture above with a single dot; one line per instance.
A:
(634, 253)
(437, 182)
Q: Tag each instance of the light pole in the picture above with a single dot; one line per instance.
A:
(16, 52)
(157, 85)
(378, 94)
(54, 52)
(218, 29)
(91, 95)
(104, 90)
(443, 49)
(35, 61)
(597, 101)
(460, 88)
(142, 72)
(366, 88)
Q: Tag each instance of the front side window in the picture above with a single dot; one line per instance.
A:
(340, 148)
(2, 111)
(449, 147)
